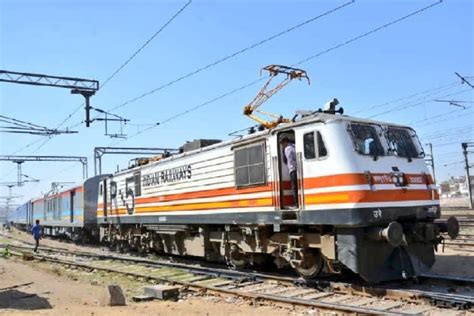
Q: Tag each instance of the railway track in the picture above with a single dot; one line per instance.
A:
(288, 290)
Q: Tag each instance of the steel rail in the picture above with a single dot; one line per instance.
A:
(249, 295)
(353, 288)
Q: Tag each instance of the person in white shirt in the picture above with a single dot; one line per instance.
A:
(289, 158)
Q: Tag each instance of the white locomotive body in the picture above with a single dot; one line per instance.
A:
(366, 201)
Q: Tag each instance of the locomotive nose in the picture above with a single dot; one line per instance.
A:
(393, 234)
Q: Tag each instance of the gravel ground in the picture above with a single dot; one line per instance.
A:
(59, 291)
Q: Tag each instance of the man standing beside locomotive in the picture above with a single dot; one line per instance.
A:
(289, 158)
(36, 232)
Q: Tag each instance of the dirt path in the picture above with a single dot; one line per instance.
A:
(60, 291)
(54, 292)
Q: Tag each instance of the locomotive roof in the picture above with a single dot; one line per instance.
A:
(313, 118)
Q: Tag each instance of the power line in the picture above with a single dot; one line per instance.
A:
(406, 106)
(231, 92)
(17, 151)
(194, 108)
(453, 163)
(442, 87)
(22, 127)
(453, 141)
(448, 131)
(148, 41)
(225, 58)
(347, 42)
(122, 66)
(368, 33)
(443, 115)
(464, 80)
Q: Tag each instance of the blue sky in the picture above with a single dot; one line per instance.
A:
(91, 39)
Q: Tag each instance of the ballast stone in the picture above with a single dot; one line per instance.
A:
(113, 296)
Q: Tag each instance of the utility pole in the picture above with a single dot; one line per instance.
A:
(430, 161)
(149, 151)
(19, 160)
(84, 87)
(466, 161)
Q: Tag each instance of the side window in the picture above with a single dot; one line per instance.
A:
(249, 163)
(322, 151)
(138, 183)
(314, 148)
(113, 190)
(309, 148)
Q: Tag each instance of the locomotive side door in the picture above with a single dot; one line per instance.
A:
(103, 195)
(286, 187)
(71, 205)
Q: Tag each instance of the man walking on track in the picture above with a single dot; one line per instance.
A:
(36, 232)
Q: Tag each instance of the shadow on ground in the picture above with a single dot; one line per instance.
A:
(454, 265)
(23, 301)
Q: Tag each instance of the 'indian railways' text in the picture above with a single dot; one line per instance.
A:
(167, 176)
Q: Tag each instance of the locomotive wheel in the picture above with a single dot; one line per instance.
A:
(111, 246)
(142, 248)
(311, 265)
(237, 259)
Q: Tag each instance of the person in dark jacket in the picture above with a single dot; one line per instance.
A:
(36, 232)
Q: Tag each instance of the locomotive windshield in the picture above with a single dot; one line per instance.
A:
(366, 139)
(403, 142)
(375, 140)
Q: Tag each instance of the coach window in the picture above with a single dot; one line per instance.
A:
(249, 165)
(314, 147)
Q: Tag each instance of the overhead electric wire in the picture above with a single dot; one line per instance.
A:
(194, 108)
(122, 66)
(421, 100)
(443, 115)
(450, 143)
(148, 41)
(442, 87)
(22, 127)
(403, 107)
(234, 54)
(231, 92)
(453, 163)
(447, 133)
(342, 44)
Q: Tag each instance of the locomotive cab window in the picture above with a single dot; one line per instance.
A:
(249, 163)
(366, 139)
(403, 142)
(314, 147)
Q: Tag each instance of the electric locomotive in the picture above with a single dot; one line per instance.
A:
(365, 199)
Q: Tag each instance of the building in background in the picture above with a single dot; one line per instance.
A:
(455, 187)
